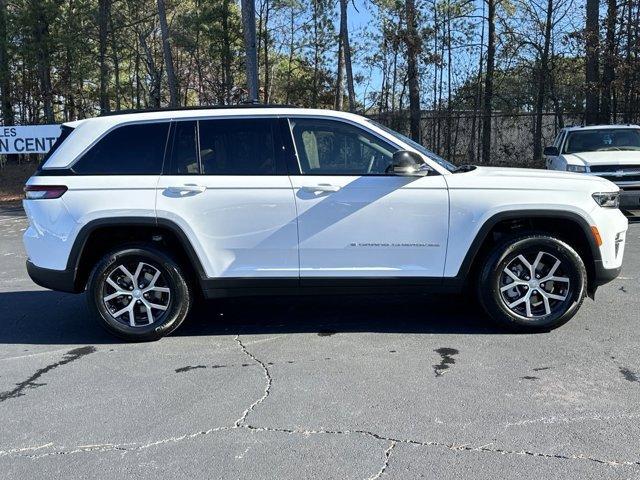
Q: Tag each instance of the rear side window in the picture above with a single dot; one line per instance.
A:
(226, 147)
(127, 150)
(238, 147)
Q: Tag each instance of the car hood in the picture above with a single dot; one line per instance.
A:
(528, 179)
(623, 157)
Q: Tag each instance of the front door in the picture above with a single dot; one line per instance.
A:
(225, 184)
(354, 218)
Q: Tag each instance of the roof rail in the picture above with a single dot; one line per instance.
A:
(202, 107)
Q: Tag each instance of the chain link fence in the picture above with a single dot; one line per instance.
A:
(456, 135)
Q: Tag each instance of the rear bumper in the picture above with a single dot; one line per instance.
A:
(60, 280)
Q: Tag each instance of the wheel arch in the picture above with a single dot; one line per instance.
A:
(561, 223)
(97, 237)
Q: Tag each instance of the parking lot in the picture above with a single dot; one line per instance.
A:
(354, 387)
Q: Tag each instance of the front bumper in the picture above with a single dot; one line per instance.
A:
(60, 280)
(604, 275)
(629, 199)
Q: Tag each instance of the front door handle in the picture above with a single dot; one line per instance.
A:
(322, 187)
(189, 188)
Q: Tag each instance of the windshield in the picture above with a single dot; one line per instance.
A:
(427, 153)
(602, 140)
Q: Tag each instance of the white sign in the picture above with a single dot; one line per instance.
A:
(28, 139)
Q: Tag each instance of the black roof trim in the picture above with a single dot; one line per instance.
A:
(203, 107)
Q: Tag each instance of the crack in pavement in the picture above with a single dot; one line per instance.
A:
(385, 465)
(133, 447)
(29, 383)
(240, 423)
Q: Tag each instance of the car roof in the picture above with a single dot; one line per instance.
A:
(573, 128)
(108, 121)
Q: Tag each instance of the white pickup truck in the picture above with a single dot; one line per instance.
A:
(608, 151)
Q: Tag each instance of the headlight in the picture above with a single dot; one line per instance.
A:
(608, 199)
(576, 168)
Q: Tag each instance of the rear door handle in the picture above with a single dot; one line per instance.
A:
(190, 188)
(322, 187)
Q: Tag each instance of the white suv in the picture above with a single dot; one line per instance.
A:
(608, 151)
(143, 210)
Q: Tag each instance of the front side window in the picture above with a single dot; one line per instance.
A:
(128, 150)
(329, 147)
(238, 147)
(602, 140)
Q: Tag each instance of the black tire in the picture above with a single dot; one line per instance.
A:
(545, 314)
(176, 295)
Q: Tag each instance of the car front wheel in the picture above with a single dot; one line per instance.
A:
(532, 283)
(138, 294)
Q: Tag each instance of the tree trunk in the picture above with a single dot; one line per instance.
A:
(449, 126)
(608, 69)
(543, 74)
(339, 100)
(43, 58)
(628, 63)
(251, 61)
(592, 62)
(346, 48)
(267, 79)
(487, 109)
(116, 62)
(291, 52)
(472, 155)
(174, 99)
(6, 105)
(104, 6)
(154, 73)
(413, 48)
(316, 59)
(226, 53)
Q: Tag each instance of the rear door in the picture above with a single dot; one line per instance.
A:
(225, 185)
(354, 218)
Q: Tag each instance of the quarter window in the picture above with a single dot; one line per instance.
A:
(184, 154)
(327, 147)
(127, 150)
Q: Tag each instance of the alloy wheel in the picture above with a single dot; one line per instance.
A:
(136, 299)
(534, 285)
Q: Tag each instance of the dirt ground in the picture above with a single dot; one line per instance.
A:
(12, 180)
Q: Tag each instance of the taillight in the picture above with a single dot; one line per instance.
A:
(41, 192)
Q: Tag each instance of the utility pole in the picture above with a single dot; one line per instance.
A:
(251, 60)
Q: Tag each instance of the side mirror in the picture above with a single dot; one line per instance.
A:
(551, 152)
(406, 162)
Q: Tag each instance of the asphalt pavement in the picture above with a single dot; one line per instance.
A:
(328, 388)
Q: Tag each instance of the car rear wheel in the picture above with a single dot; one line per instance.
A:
(532, 283)
(139, 294)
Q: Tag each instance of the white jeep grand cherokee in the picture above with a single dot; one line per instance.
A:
(142, 210)
(608, 151)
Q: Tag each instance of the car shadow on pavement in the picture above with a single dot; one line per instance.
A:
(46, 317)
(11, 209)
